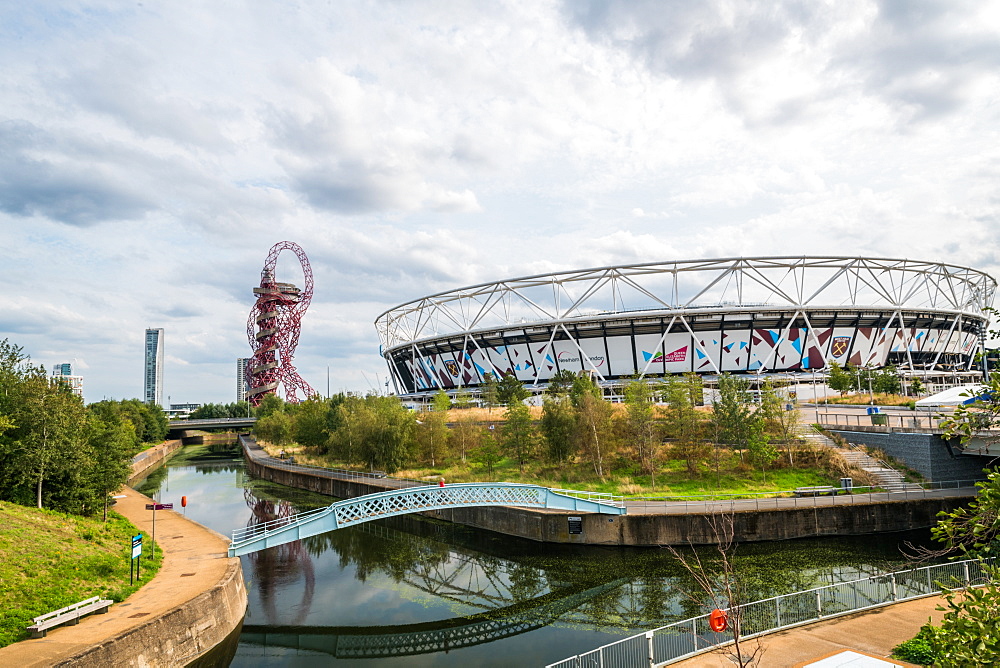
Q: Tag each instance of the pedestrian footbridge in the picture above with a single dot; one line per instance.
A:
(415, 500)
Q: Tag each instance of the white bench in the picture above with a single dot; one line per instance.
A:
(69, 615)
(818, 491)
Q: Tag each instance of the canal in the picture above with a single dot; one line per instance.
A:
(419, 592)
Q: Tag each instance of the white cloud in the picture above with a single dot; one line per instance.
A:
(151, 155)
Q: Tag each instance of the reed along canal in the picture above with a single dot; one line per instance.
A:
(419, 592)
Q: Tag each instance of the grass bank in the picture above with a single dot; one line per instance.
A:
(720, 478)
(49, 560)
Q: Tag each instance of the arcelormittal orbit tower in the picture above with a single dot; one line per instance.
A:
(273, 330)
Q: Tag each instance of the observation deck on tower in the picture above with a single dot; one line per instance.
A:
(287, 292)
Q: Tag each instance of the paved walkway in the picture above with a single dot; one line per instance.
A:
(194, 562)
(874, 632)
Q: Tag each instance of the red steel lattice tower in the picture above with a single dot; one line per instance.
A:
(273, 330)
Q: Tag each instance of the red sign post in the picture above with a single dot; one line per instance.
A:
(154, 507)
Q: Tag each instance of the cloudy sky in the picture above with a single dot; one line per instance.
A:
(151, 153)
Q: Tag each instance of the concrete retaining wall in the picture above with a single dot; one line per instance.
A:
(151, 458)
(179, 636)
(927, 454)
(552, 526)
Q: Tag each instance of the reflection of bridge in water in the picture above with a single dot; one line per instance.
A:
(427, 637)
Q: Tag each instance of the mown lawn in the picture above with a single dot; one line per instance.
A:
(49, 560)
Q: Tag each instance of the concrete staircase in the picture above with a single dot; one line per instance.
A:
(888, 477)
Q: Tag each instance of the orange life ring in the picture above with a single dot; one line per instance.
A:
(717, 620)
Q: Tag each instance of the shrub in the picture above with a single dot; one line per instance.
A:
(918, 649)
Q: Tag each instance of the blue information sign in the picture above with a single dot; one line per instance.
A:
(136, 546)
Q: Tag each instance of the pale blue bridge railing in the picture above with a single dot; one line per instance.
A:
(680, 640)
(414, 500)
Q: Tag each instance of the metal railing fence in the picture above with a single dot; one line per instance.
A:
(688, 637)
(901, 420)
(792, 499)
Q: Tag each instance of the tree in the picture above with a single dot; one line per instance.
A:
(236, 409)
(518, 433)
(311, 426)
(466, 435)
(839, 379)
(378, 431)
(270, 404)
(916, 387)
(683, 425)
(779, 417)
(886, 380)
(432, 435)
(55, 453)
(557, 425)
(109, 448)
(560, 383)
(441, 402)
(510, 390)
(487, 455)
(489, 391)
(641, 427)
(724, 588)
(732, 411)
(50, 426)
(463, 399)
(978, 416)
(594, 430)
(969, 634)
(275, 428)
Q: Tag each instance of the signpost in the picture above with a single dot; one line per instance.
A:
(154, 507)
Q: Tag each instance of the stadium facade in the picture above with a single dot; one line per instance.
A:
(737, 315)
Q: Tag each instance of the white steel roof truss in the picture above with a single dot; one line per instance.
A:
(898, 315)
(552, 337)
(840, 272)
(583, 355)
(589, 292)
(875, 284)
(417, 356)
(658, 345)
(486, 307)
(784, 337)
(956, 302)
(812, 333)
(644, 291)
(918, 285)
(723, 274)
(694, 341)
(766, 282)
(539, 310)
(486, 356)
(917, 282)
(941, 348)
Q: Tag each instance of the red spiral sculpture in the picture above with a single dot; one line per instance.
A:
(273, 330)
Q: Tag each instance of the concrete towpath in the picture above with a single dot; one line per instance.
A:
(873, 632)
(194, 562)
